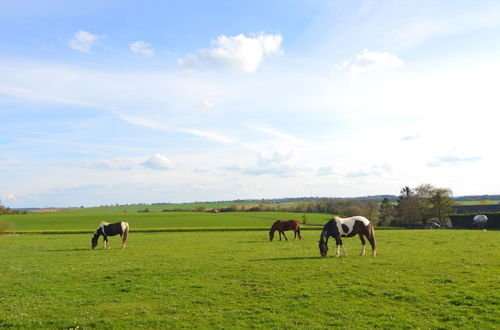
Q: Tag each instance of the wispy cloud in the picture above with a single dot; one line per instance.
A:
(83, 41)
(208, 135)
(279, 134)
(122, 164)
(142, 48)
(239, 53)
(424, 28)
(411, 137)
(367, 61)
(452, 160)
(144, 122)
(33, 95)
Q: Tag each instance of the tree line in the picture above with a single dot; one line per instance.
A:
(414, 207)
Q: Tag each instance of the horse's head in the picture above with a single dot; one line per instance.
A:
(94, 240)
(273, 229)
(323, 244)
(323, 248)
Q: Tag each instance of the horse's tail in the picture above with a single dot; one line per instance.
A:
(371, 238)
(125, 228)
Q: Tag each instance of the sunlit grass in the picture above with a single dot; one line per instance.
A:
(420, 279)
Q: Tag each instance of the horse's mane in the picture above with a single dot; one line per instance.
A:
(104, 223)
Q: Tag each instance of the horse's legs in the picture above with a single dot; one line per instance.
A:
(297, 233)
(286, 239)
(344, 250)
(105, 241)
(339, 244)
(363, 250)
(371, 239)
(279, 231)
(124, 240)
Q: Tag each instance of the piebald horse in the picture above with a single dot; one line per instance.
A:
(282, 225)
(110, 229)
(347, 227)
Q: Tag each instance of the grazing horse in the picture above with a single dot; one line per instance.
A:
(110, 229)
(282, 225)
(347, 227)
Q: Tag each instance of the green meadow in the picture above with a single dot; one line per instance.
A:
(439, 279)
(89, 219)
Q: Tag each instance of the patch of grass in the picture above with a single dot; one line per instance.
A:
(241, 280)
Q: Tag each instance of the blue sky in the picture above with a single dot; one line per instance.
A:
(105, 102)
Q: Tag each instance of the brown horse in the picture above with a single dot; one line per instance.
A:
(282, 225)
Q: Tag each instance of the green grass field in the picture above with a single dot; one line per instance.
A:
(90, 219)
(420, 279)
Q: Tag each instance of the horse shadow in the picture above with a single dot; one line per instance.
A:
(288, 258)
(69, 250)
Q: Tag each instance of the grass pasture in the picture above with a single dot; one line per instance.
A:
(420, 279)
(90, 219)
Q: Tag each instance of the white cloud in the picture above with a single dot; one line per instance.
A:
(83, 41)
(278, 164)
(368, 61)
(142, 48)
(206, 104)
(239, 53)
(325, 170)
(158, 162)
(9, 197)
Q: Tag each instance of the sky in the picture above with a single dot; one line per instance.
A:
(118, 102)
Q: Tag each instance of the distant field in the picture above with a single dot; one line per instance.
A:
(170, 207)
(485, 202)
(440, 279)
(89, 219)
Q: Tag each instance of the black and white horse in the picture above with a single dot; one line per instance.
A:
(347, 227)
(110, 229)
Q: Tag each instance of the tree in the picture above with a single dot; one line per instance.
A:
(371, 211)
(386, 211)
(422, 204)
(424, 193)
(441, 204)
(408, 207)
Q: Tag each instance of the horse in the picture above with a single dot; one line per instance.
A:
(110, 229)
(282, 225)
(347, 227)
